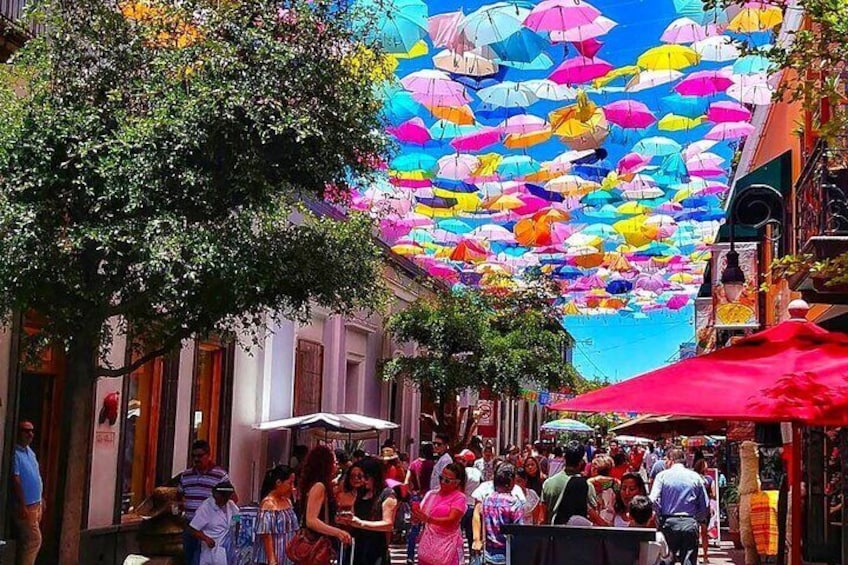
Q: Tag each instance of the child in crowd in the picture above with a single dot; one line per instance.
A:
(642, 516)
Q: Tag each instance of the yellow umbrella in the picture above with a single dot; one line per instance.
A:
(611, 181)
(631, 208)
(525, 140)
(407, 249)
(581, 111)
(617, 262)
(682, 278)
(503, 202)
(465, 201)
(432, 212)
(699, 256)
(634, 230)
(682, 194)
(488, 164)
(673, 122)
(418, 50)
(668, 57)
(410, 175)
(620, 72)
(551, 215)
(756, 19)
(461, 115)
(571, 309)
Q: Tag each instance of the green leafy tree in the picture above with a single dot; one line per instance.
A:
(153, 161)
(501, 338)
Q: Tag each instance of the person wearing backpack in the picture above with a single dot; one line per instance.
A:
(566, 496)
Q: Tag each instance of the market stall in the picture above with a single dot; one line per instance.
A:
(795, 373)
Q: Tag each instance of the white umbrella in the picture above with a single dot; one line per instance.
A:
(331, 426)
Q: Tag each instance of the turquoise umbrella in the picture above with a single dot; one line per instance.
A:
(541, 63)
(414, 162)
(600, 198)
(688, 106)
(657, 146)
(522, 46)
(493, 23)
(455, 226)
(398, 24)
(751, 65)
(444, 129)
(516, 166)
(567, 425)
(400, 106)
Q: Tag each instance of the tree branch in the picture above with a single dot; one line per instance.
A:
(126, 369)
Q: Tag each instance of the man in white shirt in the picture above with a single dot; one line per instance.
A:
(486, 464)
(473, 478)
(441, 447)
(211, 524)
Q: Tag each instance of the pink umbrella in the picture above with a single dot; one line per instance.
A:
(444, 28)
(677, 301)
(559, 15)
(728, 111)
(629, 114)
(730, 130)
(531, 204)
(579, 70)
(523, 123)
(477, 140)
(560, 231)
(704, 83)
(435, 88)
(596, 28)
(410, 183)
(698, 147)
(443, 271)
(683, 30)
(411, 131)
(651, 283)
(713, 189)
(458, 167)
(670, 207)
(588, 47)
(632, 163)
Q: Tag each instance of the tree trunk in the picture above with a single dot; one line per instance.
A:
(74, 452)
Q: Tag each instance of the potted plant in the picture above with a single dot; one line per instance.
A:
(730, 497)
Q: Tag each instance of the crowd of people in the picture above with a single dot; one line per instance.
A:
(447, 504)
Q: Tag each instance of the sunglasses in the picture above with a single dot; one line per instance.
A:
(447, 480)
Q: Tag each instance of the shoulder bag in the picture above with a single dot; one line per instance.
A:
(312, 548)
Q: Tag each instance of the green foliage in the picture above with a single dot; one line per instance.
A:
(154, 161)
(833, 270)
(502, 340)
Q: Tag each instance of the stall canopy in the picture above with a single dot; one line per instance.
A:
(332, 426)
(669, 425)
(793, 372)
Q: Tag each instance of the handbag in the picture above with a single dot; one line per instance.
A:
(308, 547)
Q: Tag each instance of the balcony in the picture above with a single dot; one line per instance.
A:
(13, 33)
(820, 211)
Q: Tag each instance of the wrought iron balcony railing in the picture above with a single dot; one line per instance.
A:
(11, 14)
(821, 196)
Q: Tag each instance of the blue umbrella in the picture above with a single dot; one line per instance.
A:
(600, 197)
(523, 46)
(455, 226)
(493, 113)
(444, 129)
(437, 202)
(400, 106)
(568, 272)
(537, 190)
(606, 213)
(567, 425)
(674, 166)
(619, 286)
(454, 185)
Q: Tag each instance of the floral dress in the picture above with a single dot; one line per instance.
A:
(282, 525)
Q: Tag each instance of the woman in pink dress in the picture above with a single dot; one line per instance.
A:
(441, 512)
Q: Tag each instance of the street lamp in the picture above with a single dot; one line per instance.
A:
(757, 206)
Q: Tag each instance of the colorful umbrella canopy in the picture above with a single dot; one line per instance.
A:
(480, 185)
(567, 425)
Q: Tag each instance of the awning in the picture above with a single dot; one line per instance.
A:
(332, 426)
(793, 372)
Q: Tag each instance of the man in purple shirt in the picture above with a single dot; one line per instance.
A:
(681, 501)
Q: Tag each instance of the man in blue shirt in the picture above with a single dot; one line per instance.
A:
(27, 490)
(681, 501)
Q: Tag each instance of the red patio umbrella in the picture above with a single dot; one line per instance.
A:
(793, 372)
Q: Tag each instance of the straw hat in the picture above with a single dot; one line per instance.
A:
(388, 454)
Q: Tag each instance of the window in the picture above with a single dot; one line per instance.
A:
(141, 430)
(212, 397)
(308, 377)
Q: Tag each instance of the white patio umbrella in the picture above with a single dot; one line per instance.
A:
(332, 426)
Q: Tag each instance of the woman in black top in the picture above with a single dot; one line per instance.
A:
(373, 516)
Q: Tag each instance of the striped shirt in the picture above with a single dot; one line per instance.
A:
(196, 486)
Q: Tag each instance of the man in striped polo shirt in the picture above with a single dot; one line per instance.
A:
(196, 485)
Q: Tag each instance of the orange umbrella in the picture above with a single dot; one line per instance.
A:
(461, 115)
(503, 202)
(529, 139)
(469, 251)
(551, 215)
(532, 233)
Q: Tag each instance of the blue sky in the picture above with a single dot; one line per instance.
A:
(616, 348)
